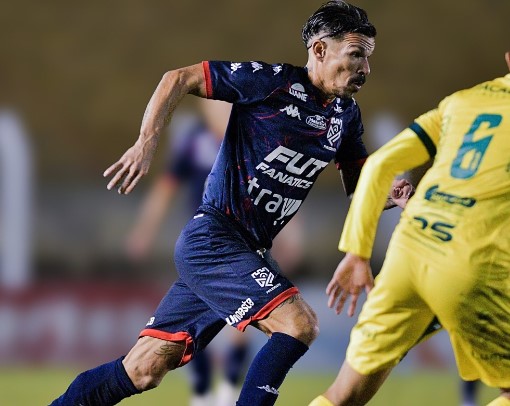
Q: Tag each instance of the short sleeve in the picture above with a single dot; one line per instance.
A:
(241, 82)
(428, 129)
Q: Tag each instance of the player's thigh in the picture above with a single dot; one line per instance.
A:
(240, 284)
(394, 317)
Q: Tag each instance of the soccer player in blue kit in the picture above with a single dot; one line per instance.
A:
(287, 123)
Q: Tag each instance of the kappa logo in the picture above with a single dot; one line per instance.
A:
(151, 321)
(256, 66)
(263, 276)
(298, 91)
(292, 111)
(235, 66)
(316, 121)
(338, 108)
(277, 69)
(335, 130)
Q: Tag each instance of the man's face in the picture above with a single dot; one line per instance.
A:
(344, 64)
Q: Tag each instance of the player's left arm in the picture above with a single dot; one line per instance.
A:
(401, 190)
(351, 157)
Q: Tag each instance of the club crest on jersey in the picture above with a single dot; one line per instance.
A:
(263, 277)
(335, 130)
(316, 121)
(298, 91)
(292, 111)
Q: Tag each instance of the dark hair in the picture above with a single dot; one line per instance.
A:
(336, 18)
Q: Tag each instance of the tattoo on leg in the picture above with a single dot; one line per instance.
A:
(172, 354)
(291, 299)
(169, 349)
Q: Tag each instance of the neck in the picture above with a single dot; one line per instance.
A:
(319, 84)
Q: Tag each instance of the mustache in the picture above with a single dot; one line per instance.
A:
(359, 79)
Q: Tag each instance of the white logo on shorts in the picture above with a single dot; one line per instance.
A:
(263, 277)
(240, 312)
(151, 321)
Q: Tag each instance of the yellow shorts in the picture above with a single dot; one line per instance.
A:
(469, 295)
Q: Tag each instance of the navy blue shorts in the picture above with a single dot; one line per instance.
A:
(223, 279)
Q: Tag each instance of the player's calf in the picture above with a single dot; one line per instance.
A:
(292, 327)
(142, 369)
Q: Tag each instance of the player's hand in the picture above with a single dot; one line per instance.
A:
(401, 192)
(131, 167)
(351, 277)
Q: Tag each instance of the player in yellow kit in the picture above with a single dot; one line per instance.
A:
(449, 257)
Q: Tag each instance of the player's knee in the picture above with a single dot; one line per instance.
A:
(149, 361)
(148, 374)
(146, 381)
(305, 327)
(311, 330)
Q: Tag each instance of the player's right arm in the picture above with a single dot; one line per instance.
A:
(135, 162)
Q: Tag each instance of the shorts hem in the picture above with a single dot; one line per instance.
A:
(269, 307)
(180, 337)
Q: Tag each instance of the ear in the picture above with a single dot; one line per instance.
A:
(507, 59)
(319, 49)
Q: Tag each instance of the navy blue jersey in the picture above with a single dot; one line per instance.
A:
(193, 150)
(280, 136)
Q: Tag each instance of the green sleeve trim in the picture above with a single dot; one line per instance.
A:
(425, 139)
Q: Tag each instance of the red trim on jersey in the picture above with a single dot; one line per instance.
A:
(356, 164)
(268, 308)
(208, 81)
(179, 337)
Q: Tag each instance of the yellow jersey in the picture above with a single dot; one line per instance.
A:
(463, 201)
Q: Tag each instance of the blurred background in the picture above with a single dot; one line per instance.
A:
(74, 83)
